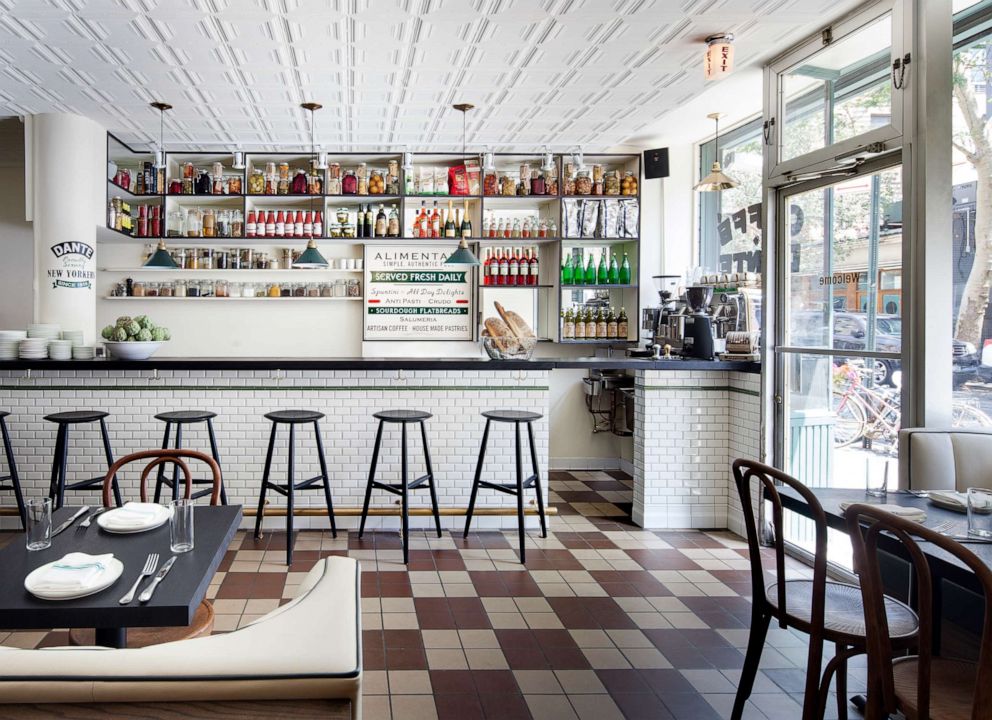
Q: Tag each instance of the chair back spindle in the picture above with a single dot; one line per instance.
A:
(162, 457)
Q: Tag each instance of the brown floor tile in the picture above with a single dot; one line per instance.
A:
(495, 681)
(406, 659)
(463, 706)
(446, 682)
(502, 706)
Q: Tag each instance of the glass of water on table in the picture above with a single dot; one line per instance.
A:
(876, 484)
(980, 512)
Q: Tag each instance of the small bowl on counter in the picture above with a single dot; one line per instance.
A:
(132, 349)
(509, 347)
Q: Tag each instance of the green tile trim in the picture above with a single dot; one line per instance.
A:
(153, 385)
(701, 388)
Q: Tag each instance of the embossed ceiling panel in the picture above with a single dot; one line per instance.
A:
(555, 72)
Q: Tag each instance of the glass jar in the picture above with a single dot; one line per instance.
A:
(508, 185)
(299, 289)
(256, 183)
(194, 222)
(234, 185)
(209, 223)
(628, 186)
(234, 290)
(334, 179)
(348, 231)
(207, 259)
(490, 183)
(220, 288)
(583, 183)
(339, 289)
(179, 288)
(354, 289)
(151, 289)
(349, 183)
(237, 224)
(248, 290)
(192, 259)
(176, 224)
(217, 173)
(192, 289)
(284, 171)
(299, 185)
(393, 178)
(537, 185)
(363, 179)
(222, 260)
(313, 290)
(271, 179)
(247, 258)
(326, 290)
(286, 290)
(377, 182)
(611, 183)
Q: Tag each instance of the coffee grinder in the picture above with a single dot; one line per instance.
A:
(654, 321)
(697, 341)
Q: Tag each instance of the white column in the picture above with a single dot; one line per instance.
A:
(65, 178)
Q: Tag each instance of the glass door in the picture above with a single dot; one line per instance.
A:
(838, 355)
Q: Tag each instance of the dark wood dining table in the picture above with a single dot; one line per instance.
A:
(175, 600)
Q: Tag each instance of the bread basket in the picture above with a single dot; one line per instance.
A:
(509, 347)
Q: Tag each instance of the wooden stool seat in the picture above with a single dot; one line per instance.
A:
(139, 637)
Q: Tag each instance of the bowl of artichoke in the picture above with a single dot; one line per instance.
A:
(134, 338)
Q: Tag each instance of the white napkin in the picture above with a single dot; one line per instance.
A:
(910, 513)
(133, 515)
(74, 572)
(960, 500)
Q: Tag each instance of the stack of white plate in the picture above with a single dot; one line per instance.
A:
(33, 349)
(60, 349)
(48, 331)
(83, 352)
(9, 340)
(73, 336)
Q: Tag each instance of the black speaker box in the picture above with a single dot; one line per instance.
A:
(656, 163)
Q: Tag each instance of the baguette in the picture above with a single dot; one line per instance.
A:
(516, 324)
(501, 336)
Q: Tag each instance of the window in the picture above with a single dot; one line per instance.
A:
(730, 221)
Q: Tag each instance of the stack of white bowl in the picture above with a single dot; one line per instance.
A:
(33, 349)
(48, 331)
(60, 349)
(83, 352)
(9, 340)
(73, 336)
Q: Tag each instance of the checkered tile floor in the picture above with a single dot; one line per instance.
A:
(606, 621)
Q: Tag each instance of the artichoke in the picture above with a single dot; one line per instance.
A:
(159, 334)
(119, 335)
(123, 320)
(132, 328)
(144, 321)
(144, 335)
(108, 332)
(166, 333)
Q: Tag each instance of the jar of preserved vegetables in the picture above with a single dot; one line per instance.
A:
(490, 183)
(363, 179)
(583, 183)
(256, 182)
(611, 183)
(349, 183)
(377, 182)
(334, 179)
(628, 186)
(507, 185)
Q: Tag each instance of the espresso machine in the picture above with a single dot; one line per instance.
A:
(738, 322)
(697, 337)
(660, 325)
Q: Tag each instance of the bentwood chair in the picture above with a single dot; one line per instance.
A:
(162, 457)
(827, 611)
(921, 686)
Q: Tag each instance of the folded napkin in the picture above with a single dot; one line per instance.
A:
(910, 513)
(959, 500)
(74, 572)
(133, 515)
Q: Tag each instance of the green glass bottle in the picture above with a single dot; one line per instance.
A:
(567, 271)
(590, 276)
(614, 274)
(603, 274)
(624, 275)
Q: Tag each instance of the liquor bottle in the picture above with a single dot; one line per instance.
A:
(614, 274)
(622, 324)
(492, 226)
(369, 221)
(449, 222)
(249, 224)
(499, 229)
(524, 277)
(493, 271)
(281, 224)
(514, 267)
(590, 274)
(485, 227)
(466, 225)
(567, 272)
(318, 224)
(624, 274)
(515, 232)
(535, 267)
(611, 324)
(393, 223)
(435, 222)
(590, 325)
(568, 325)
(507, 229)
(485, 266)
(504, 268)
(580, 325)
(601, 324)
(308, 225)
(270, 224)
(380, 223)
(603, 274)
(525, 228)
(422, 222)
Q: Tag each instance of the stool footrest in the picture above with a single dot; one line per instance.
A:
(509, 488)
(397, 488)
(301, 485)
(91, 484)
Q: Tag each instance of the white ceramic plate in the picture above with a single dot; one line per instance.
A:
(102, 519)
(107, 578)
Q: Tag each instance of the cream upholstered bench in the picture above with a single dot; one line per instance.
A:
(307, 650)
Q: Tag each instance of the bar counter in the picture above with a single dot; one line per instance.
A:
(690, 419)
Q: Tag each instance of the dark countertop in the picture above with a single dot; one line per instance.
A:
(291, 363)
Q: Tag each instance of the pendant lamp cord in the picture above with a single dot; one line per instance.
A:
(716, 141)
(161, 131)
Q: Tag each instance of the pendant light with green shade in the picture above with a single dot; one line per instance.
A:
(463, 255)
(160, 259)
(311, 259)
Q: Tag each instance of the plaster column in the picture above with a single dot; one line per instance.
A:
(65, 179)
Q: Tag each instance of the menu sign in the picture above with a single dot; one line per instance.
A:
(410, 294)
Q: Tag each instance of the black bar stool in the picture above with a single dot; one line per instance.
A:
(402, 488)
(534, 481)
(59, 483)
(11, 477)
(294, 418)
(180, 418)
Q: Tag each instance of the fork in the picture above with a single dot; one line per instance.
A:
(151, 564)
(944, 527)
(89, 518)
(917, 493)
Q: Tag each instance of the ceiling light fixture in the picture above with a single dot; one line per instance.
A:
(716, 180)
(311, 259)
(719, 59)
(161, 259)
(548, 160)
(462, 256)
(159, 161)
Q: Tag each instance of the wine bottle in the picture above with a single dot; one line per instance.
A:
(614, 274)
(380, 222)
(435, 222)
(590, 276)
(393, 222)
(449, 222)
(369, 221)
(466, 224)
(622, 324)
(624, 273)
(603, 274)
(580, 325)
(611, 324)
(567, 273)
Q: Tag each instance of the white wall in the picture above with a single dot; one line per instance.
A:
(16, 237)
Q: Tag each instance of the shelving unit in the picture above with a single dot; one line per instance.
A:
(547, 299)
(153, 298)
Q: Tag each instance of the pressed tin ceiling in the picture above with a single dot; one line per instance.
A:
(561, 72)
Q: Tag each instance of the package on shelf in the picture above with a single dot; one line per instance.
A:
(600, 218)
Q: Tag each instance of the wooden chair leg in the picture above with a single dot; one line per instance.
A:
(755, 645)
(814, 661)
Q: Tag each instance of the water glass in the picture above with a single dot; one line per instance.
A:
(38, 530)
(872, 489)
(181, 525)
(980, 512)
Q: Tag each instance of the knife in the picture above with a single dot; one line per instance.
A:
(65, 526)
(146, 594)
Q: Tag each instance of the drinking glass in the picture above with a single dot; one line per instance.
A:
(38, 530)
(980, 512)
(871, 488)
(181, 525)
